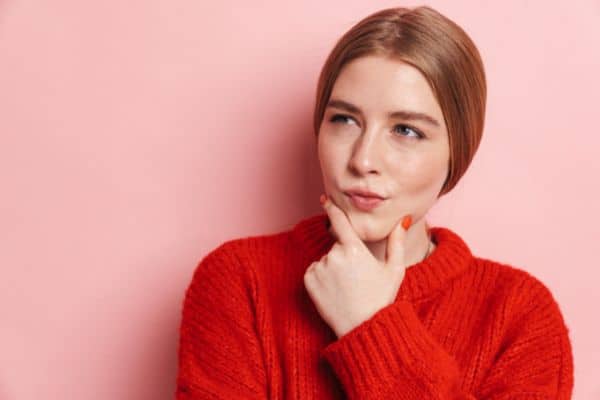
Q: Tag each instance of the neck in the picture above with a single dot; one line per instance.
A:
(416, 244)
(450, 258)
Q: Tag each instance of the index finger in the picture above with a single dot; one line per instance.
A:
(340, 223)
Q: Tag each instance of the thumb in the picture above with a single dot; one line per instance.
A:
(395, 243)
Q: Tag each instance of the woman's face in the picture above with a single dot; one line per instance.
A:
(402, 157)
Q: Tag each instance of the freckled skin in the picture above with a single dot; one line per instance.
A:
(384, 154)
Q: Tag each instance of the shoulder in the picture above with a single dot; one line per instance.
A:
(522, 306)
(510, 274)
(519, 288)
(237, 258)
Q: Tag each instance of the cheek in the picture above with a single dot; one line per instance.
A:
(331, 158)
(418, 183)
(420, 173)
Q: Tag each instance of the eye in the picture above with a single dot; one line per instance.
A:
(418, 134)
(340, 117)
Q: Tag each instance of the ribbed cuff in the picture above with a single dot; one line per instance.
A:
(390, 348)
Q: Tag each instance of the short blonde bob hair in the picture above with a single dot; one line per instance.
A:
(442, 51)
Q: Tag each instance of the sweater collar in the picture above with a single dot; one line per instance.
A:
(449, 259)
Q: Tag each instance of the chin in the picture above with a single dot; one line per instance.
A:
(368, 227)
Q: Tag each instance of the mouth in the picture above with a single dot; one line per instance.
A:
(364, 203)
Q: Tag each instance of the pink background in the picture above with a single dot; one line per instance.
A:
(136, 136)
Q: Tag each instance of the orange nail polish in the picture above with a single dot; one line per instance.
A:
(406, 221)
(322, 199)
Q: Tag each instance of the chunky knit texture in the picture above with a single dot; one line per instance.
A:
(462, 327)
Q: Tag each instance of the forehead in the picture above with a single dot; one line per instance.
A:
(379, 85)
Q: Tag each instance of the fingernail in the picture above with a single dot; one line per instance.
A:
(406, 221)
(322, 199)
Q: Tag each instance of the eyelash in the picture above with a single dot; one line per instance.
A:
(335, 118)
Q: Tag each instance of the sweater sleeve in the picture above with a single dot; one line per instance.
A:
(219, 354)
(392, 355)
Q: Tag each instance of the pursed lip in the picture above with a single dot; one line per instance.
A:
(364, 193)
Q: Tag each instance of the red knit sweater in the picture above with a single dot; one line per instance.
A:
(462, 327)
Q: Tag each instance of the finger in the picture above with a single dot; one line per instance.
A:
(323, 260)
(340, 224)
(395, 243)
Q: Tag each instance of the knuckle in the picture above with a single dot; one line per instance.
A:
(308, 278)
(334, 257)
(309, 270)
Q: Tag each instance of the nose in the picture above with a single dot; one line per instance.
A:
(366, 156)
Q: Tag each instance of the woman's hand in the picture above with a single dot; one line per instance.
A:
(348, 285)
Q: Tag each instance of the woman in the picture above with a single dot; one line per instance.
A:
(365, 300)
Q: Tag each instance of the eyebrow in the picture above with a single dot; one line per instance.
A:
(404, 114)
